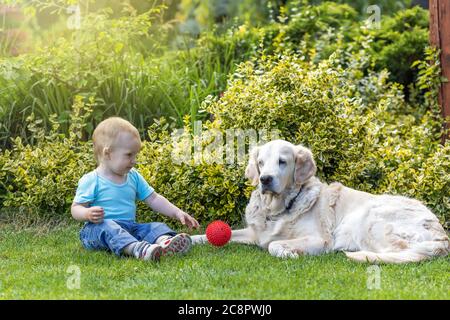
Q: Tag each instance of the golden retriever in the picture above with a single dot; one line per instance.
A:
(292, 212)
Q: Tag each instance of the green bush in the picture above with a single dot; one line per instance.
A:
(126, 64)
(359, 125)
(379, 144)
(296, 97)
(382, 144)
(105, 60)
(208, 191)
(387, 7)
(401, 41)
(317, 31)
(98, 60)
(316, 20)
(42, 177)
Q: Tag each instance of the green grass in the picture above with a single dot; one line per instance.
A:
(34, 265)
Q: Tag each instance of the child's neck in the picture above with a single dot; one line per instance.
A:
(107, 173)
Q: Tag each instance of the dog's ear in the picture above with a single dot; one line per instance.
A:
(252, 171)
(305, 167)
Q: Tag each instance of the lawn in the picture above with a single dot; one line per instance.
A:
(36, 263)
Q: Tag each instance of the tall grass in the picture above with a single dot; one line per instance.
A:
(130, 69)
(124, 81)
(171, 86)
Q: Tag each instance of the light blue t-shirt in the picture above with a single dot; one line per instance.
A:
(117, 200)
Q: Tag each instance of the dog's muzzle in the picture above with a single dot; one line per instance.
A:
(266, 180)
(266, 183)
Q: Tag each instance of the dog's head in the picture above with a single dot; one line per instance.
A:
(278, 165)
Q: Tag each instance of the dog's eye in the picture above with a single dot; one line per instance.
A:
(260, 163)
(282, 162)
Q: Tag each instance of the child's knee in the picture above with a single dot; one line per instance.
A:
(108, 235)
(90, 236)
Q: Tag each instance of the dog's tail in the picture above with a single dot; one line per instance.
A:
(420, 251)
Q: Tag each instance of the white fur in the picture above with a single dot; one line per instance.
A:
(323, 218)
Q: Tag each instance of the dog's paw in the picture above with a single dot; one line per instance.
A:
(199, 239)
(280, 250)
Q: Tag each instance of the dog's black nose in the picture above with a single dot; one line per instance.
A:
(266, 179)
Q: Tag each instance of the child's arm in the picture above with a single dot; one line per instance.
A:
(160, 204)
(81, 212)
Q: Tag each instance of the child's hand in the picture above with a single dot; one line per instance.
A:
(187, 220)
(95, 214)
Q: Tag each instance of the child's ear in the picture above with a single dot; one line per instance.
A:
(106, 153)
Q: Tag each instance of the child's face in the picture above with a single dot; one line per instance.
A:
(122, 157)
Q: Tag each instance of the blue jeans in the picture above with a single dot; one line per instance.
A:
(114, 235)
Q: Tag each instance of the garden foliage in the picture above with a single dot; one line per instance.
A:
(377, 144)
(128, 63)
(364, 100)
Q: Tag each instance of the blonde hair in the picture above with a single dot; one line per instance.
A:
(106, 132)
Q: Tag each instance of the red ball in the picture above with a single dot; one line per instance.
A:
(218, 233)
